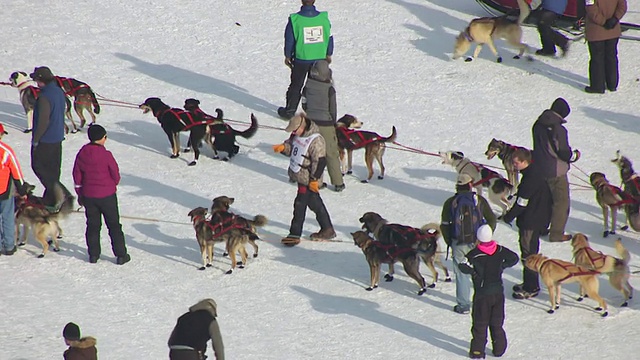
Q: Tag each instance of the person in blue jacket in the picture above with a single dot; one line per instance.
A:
(550, 38)
(307, 38)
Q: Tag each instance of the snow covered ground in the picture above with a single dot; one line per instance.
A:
(391, 67)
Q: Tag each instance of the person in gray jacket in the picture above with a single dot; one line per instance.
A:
(319, 103)
(552, 156)
(193, 330)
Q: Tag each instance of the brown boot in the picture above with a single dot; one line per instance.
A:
(324, 234)
(290, 241)
(565, 237)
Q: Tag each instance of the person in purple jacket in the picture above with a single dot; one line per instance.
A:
(96, 175)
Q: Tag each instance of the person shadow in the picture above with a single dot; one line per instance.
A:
(13, 115)
(369, 311)
(200, 83)
(620, 121)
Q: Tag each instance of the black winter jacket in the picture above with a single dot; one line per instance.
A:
(551, 150)
(486, 270)
(533, 202)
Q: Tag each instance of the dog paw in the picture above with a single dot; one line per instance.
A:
(431, 286)
(209, 265)
(193, 163)
(499, 59)
(530, 58)
(598, 308)
(380, 177)
(605, 314)
(56, 249)
(369, 288)
(216, 157)
(388, 278)
(516, 57)
(550, 311)
(605, 234)
(186, 150)
(612, 232)
(422, 291)
(229, 271)
(255, 255)
(202, 267)
(225, 159)
(448, 279)
(59, 237)
(468, 59)
(624, 227)
(40, 256)
(580, 298)
(21, 244)
(225, 254)
(241, 266)
(349, 172)
(364, 181)
(625, 304)
(173, 156)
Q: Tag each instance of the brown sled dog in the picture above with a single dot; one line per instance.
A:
(32, 214)
(609, 197)
(616, 269)
(377, 253)
(436, 259)
(631, 182)
(504, 151)
(555, 272)
(84, 99)
(349, 139)
(484, 30)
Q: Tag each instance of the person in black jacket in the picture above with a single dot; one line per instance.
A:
(188, 341)
(485, 263)
(532, 209)
(552, 154)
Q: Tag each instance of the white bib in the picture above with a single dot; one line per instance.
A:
(313, 34)
(299, 148)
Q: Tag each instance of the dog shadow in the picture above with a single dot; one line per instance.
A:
(620, 121)
(198, 82)
(423, 174)
(181, 250)
(369, 311)
(434, 35)
(13, 115)
(139, 134)
(400, 285)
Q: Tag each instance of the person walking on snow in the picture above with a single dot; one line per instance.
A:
(307, 151)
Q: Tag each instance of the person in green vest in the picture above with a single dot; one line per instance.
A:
(307, 38)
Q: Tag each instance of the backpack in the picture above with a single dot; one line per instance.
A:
(466, 218)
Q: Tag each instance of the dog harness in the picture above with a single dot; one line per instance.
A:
(31, 201)
(467, 34)
(593, 256)
(410, 234)
(491, 175)
(178, 114)
(67, 83)
(354, 139)
(208, 120)
(625, 197)
(635, 182)
(567, 268)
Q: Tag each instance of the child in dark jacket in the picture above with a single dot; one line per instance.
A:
(485, 263)
(80, 348)
(96, 175)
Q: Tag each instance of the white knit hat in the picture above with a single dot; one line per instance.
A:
(484, 233)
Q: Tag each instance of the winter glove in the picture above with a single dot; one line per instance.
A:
(22, 190)
(576, 156)
(288, 62)
(278, 148)
(328, 58)
(610, 23)
(313, 186)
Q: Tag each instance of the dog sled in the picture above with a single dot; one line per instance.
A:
(571, 21)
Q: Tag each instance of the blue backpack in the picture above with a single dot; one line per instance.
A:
(466, 218)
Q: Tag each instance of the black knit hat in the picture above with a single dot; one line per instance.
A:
(96, 132)
(71, 331)
(561, 107)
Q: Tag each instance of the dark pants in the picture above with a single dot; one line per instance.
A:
(95, 209)
(548, 36)
(488, 312)
(559, 187)
(46, 161)
(307, 198)
(299, 73)
(185, 355)
(529, 245)
(603, 65)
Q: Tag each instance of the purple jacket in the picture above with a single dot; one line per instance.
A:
(95, 172)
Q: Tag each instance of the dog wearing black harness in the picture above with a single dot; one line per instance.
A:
(173, 121)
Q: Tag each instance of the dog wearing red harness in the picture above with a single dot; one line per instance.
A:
(29, 93)
(173, 121)
(84, 99)
(349, 139)
(631, 182)
(555, 272)
(609, 197)
(220, 135)
(616, 268)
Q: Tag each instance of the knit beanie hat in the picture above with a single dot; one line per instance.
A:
(96, 132)
(71, 332)
(561, 107)
(484, 233)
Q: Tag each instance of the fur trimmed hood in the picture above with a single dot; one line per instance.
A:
(83, 343)
(206, 304)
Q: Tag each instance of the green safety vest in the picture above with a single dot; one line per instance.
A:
(312, 35)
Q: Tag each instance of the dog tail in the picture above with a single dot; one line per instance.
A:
(622, 251)
(392, 137)
(247, 134)
(432, 228)
(219, 114)
(259, 221)
(94, 101)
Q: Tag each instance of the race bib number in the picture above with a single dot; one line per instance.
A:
(590, 2)
(299, 148)
(313, 35)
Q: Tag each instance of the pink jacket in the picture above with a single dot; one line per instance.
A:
(95, 172)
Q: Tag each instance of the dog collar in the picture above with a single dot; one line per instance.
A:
(467, 35)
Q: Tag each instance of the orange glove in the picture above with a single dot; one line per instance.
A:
(313, 186)
(278, 148)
